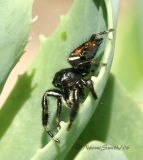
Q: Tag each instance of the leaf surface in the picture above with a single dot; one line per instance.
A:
(117, 121)
(100, 151)
(15, 24)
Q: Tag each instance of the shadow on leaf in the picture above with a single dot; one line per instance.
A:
(99, 4)
(19, 95)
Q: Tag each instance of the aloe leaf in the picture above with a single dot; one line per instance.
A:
(117, 121)
(100, 151)
(15, 24)
(128, 62)
(21, 132)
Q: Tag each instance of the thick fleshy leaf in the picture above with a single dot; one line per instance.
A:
(15, 24)
(21, 132)
(117, 121)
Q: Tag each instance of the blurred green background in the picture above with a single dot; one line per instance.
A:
(128, 61)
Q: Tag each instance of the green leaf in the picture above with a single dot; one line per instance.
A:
(15, 24)
(100, 151)
(128, 62)
(117, 121)
(21, 132)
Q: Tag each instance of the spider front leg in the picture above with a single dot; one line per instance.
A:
(89, 84)
(74, 107)
(59, 108)
(45, 114)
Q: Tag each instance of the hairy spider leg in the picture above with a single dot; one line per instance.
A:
(89, 84)
(76, 101)
(45, 114)
(104, 32)
(59, 108)
(94, 36)
(74, 107)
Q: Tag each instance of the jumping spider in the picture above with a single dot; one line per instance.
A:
(71, 82)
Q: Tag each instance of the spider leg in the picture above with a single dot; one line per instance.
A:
(89, 84)
(45, 114)
(59, 108)
(105, 32)
(74, 107)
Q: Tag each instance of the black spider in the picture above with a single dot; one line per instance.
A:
(71, 82)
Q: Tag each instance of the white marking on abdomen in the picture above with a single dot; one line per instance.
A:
(73, 58)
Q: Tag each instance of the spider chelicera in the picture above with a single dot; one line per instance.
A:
(70, 82)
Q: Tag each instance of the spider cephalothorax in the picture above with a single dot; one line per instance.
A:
(70, 82)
